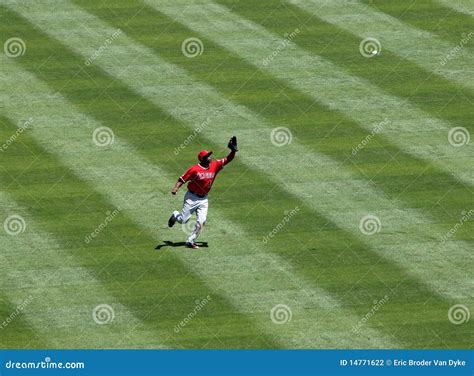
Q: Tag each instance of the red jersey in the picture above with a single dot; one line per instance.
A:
(200, 178)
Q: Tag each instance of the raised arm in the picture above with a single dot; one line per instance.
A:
(229, 157)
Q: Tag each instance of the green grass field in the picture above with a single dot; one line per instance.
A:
(358, 163)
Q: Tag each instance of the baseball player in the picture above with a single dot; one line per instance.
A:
(201, 176)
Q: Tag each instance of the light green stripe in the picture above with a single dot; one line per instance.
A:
(462, 6)
(324, 81)
(407, 237)
(105, 169)
(418, 46)
(34, 264)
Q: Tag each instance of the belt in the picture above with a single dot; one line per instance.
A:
(197, 194)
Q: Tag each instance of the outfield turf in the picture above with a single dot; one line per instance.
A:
(322, 280)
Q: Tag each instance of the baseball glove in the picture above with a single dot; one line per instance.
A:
(232, 145)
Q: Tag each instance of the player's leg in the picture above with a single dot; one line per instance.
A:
(201, 212)
(183, 216)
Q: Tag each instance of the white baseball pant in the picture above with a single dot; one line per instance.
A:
(193, 203)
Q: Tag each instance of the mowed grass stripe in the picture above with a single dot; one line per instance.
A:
(430, 15)
(336, 198)
(63, 293)
(314, 257)
(326, 83)
(419, 46)
(283, 106)
(462, 6)
(253, 296)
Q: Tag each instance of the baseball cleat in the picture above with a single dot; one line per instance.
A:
(192, 245)
(172, 220)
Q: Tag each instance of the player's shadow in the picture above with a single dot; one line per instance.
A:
(167, 243)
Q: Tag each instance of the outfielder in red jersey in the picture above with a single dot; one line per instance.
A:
(200, 176)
